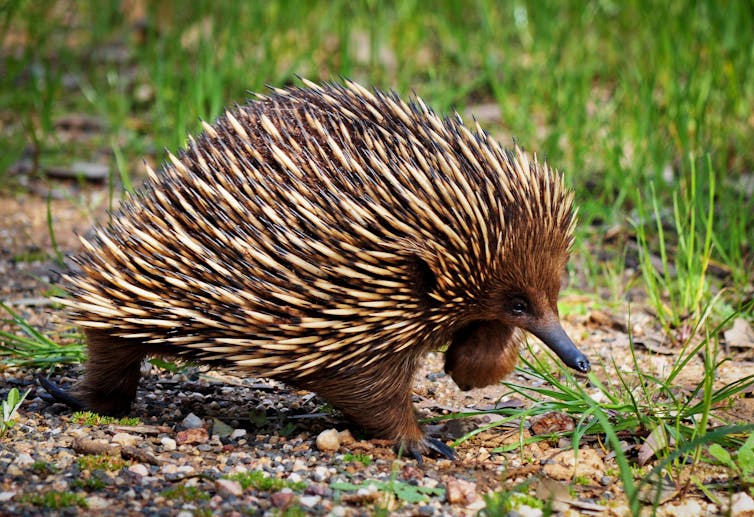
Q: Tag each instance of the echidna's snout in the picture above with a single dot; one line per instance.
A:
(553, 335)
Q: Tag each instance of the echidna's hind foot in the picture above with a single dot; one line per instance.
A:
(112, 375)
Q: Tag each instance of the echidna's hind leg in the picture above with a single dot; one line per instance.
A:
(113, 370)
(112, 374)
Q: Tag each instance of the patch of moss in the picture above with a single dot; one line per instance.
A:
(44, 468)
(101, 462)
(185, 493)
(54, 500)
(261, 481)
(91, 419)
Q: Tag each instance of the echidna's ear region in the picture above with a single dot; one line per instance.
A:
(327, 236)
(425, 280)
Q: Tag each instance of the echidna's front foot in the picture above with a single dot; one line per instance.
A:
(418, 448)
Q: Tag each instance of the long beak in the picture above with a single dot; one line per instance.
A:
(553, 335)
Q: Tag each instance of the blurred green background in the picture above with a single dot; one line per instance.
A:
(646, 106)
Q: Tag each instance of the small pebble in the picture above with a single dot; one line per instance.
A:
(228, 487)
(321, 473)
(96, 502)
(189, 436)
(281, 499)
(138, 468)
(125, 439)
(459, 491)
(24, 459)
(6, 496)
(338, 511)
(192, 421)
(168, 444)
(328, 440)
(741, 504)
(220, 428)
(237, 433)
(309, 501)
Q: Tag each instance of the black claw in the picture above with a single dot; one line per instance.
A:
(417, 456)
(441, 449)
(59, 394)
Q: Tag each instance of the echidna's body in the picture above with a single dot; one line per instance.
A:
(329, 237)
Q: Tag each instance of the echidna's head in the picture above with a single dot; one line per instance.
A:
(505, 277)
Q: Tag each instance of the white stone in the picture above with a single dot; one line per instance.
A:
(328, 440)
(139, 468)
(237, 433)
(742, 505)
(96, 502)
(228, 487)
(309, 500)
(24, 459)
(321, 473)
(125, 439)
(528, 511)
(168, 444)
(7, 496)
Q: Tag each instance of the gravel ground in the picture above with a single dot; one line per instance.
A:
(207, 443)
(198, 429)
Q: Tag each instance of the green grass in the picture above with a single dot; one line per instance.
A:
(33, 348)
(105, 462)
(8, 409)
(88, 418)
(185, 493)
(620, 96)
(259, 480)
(646, 106)
(53, 500)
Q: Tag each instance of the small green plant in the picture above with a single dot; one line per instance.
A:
(287, 429)
(35, 348)
(742, 463)
(364, 459)
(169, 366)
(678, 289)
(10, 405)
(502, 502)
(100, 462)
(53, 500)
(88, 418)
(259, 480)
(403, 491)
(44, 468)
(185, 493)
(90, 484)
(292, 511)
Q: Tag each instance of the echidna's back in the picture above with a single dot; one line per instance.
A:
(289, 231)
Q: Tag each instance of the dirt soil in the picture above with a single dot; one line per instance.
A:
(174, 463)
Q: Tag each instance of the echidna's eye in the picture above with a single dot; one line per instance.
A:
(519, 307)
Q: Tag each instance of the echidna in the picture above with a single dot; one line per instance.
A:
(329, 236)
